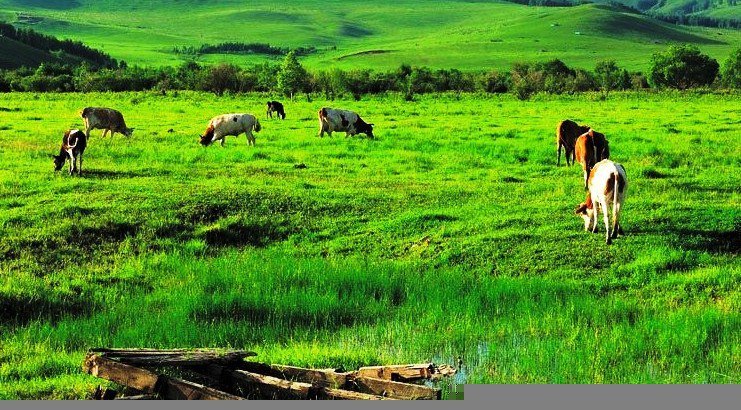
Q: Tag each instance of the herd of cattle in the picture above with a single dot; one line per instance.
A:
(604, 180)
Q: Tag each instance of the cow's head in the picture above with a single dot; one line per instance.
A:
(586, 211)
(207, 137)
(363, 128)
(58, 161)
(128, 131)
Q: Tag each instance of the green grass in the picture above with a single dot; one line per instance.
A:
(381, 35)
(449, 236)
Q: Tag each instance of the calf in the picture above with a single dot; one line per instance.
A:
(331, 120)
(608, 184)
(230, 124)
(567, 132)
(106, 119)
(591, 148)
(74, 143)
(276, 107)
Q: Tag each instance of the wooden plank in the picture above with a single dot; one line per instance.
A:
(134, 377)
(326, 377)
(177, 389)
(397, 390)
(139, 397)
(404, 372)
(269, 387)
(174, 357)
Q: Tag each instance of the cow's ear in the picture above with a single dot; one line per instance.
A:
(581, 209)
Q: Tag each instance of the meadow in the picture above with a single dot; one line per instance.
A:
(467, 35)
(451, 236)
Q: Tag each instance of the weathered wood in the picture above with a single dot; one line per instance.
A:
(174, 357)
(269, 387)
(139, 397)
(397, 390)
(326, 377)
(177, 389)
(404, 372)
(121, 373)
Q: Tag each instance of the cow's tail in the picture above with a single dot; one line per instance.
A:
(616, 188)
(258, 127)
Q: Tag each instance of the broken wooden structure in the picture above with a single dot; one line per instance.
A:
(210, 374)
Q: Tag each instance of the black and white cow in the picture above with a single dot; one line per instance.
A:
(230, 124)
(74, 143)
(276, 107)
(331, 120)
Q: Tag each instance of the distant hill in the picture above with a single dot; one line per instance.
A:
(464, 34)
(26, 47)
(688, 11)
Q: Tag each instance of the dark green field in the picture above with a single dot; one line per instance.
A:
(451, 235)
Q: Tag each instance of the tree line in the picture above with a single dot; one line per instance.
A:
(680, 67)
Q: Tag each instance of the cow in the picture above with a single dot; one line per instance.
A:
(276, 107)
(331, 120)
(74, 143)
(608, 184)
(589, 149)
(106, 119)
(230, 124)
(567, 132)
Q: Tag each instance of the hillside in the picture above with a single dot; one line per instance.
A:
(353, 33)
(717, 9)
(14, 54)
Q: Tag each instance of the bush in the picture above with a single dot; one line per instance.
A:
(682, 67)
(731, 76)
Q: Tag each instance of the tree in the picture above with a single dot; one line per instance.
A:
(292, 76)
(732, 70)
(682, 67)
(608, 76)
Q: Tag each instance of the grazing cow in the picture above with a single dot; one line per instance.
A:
(331, 120)
(230, 124)
(276, 107)
(105, 119)
(608, 184)
(591, 148)
(74, 143)
(567, 132)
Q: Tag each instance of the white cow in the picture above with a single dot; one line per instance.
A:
(607, 184)
(331, 120)
(231, 124)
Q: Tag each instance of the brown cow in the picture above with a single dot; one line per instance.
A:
(589, 149)
(106, 119)
(567, 132)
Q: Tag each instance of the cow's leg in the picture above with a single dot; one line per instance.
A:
(616, 220)
(595, 217)
(558, 163)
(79, 170)
(105, 132)
(321, 130)
(71, 162)
(112, 132)
(606, 219)
(586, 177)
(222, 141)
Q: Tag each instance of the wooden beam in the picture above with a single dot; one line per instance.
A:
(177, 389)
(174, 357)
(326, 377)
(270, 387)
(139, 397)
(397, 390)
(405, 372)
(123, 374)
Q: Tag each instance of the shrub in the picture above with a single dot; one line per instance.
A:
(682, 67)
(731, 75)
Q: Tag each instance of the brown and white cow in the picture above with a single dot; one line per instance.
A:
(106, 119)
(74, 143)
(589, 149)
(230, 124)
(331, 120)
(608, 184)
(567, 132)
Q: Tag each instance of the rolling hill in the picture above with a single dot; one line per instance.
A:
(717, 9)
(353, 33)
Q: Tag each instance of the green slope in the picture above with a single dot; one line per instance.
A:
(719, 9)
(381, 35)
(14, 54)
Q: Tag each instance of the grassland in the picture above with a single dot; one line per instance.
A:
(380, 35)
(450, 236)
